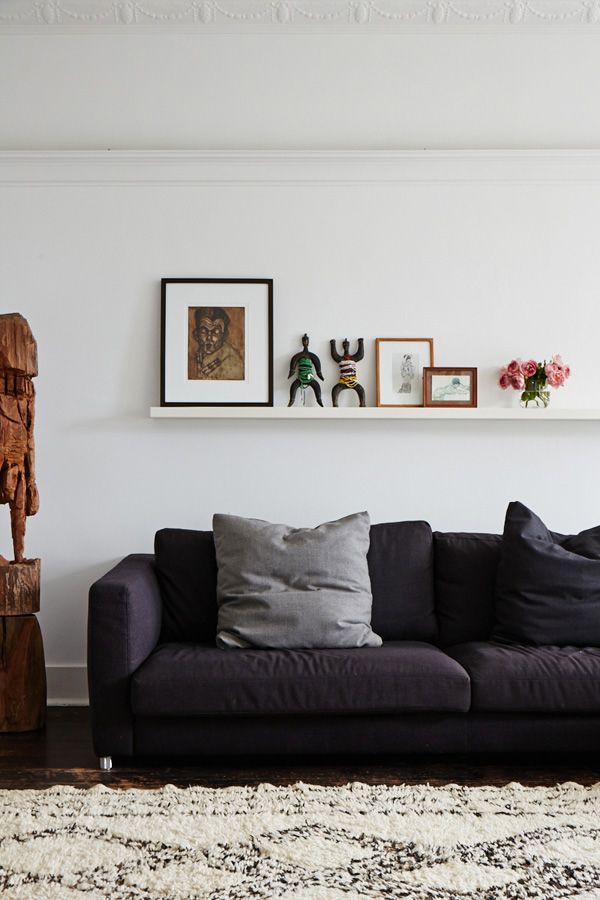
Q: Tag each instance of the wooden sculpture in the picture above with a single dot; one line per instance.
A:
(347, 363)
(305, 365)
(22, 672)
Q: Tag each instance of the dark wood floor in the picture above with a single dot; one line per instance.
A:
(62, 754)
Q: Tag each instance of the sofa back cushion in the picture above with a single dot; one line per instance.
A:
(465, 576)
(401, 568)
(186, 567)
(400, 562)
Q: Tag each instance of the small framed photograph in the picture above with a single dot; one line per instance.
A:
(400, 364)
(216, 342)
(450, 387)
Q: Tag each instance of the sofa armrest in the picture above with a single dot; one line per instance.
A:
(124, 621)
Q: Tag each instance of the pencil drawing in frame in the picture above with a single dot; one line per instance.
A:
(449, 387)
(400, 364)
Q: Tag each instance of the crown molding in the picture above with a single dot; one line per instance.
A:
(276, 16)
(308, 167)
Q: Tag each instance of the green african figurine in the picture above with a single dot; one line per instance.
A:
(304, 366)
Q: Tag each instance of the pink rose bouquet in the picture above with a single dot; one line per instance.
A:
(533, 378)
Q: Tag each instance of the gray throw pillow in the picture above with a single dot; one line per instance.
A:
(293, 587)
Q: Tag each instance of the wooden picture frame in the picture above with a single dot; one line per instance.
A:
(449, 387)
(395, 356)
(216, 342)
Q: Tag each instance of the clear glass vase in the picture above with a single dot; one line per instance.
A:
(536, 394)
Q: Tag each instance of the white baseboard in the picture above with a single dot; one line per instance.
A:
(67, 685)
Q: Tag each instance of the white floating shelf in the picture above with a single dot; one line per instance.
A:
(372, 412)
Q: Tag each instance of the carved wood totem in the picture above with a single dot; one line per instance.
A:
(22, 672)
(18, 366)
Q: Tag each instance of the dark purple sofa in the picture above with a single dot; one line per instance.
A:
(159, 686)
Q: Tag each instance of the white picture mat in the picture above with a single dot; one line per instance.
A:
(254, 388)
(390, 356)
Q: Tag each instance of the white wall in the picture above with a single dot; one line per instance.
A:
(487, 269)
(299, 91)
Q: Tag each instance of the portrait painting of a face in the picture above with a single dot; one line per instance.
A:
(216, 343)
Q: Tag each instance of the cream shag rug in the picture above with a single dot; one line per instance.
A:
(302, 842)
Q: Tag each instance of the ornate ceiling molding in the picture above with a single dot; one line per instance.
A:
(201, 16)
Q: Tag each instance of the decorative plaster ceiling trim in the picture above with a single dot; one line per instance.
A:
(202, 16)
(289, 168)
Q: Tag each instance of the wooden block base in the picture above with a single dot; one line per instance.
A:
(22, 674)
(20, 588)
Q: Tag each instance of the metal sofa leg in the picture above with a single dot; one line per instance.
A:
(105, 763)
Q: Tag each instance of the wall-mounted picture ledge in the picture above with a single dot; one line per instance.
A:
(276, 16)
(301, 413)
(326, 167)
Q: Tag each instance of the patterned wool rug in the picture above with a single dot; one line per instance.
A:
(302, 842)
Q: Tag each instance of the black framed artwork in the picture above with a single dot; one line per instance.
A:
(216, 342)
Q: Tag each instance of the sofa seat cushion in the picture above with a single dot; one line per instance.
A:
(199, 680)
(524, 678)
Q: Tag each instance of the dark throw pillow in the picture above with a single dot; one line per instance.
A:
(548, 586)
(293, 587)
